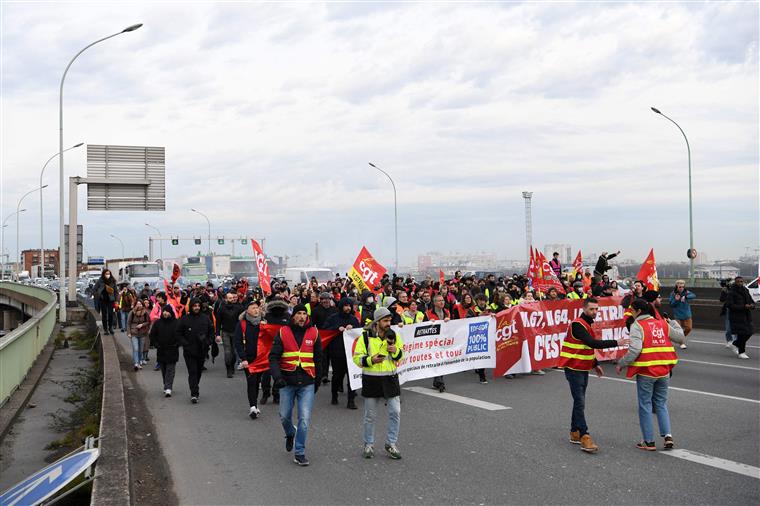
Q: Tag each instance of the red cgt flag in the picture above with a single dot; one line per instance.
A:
(578, 263)
(176, 271)
(648, 272)
(441, 277)
(263, 267)
(548, 278)
(532, 268)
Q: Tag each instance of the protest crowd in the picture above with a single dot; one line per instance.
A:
(282, 339)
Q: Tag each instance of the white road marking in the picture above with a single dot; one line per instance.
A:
(709, 460)
(711, 394)
(718, 344)
(457, 398)
(719, 364)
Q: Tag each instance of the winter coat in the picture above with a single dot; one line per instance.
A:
(336, 348)
(601, 264)
(276, 313)
(320, 315)
(163, 335)
(227, 317)
(133, 320)
(739, 316)
(681, 308)
(101, 293)
(195, 333)
(247, 351)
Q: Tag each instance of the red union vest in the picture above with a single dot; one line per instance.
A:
(574, 354)
(292, 356)
(657, 355)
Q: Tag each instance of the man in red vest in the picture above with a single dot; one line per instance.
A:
(650, 358)
(577, 358)
(295, 361)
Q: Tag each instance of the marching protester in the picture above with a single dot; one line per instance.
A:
(163, 335)
(650, 358)
(138, 326)
(246, 340)
(344, 319)
(276, 312)
(126, 299)
(377, 352)
(740, 306)
(679, 301)
(226, 321)
(578, 292)
(439, 312)
(295, 361)
(602, 265)
(195, 333)
(105, 293)
(577, 359)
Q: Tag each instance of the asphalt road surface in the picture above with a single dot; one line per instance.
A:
(509, 448)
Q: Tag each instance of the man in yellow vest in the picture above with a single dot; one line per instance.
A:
(577, 358)
(577, 292)
(650, 358)
(295, 361)
(377, 351)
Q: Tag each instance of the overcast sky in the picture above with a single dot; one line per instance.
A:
(270, 112)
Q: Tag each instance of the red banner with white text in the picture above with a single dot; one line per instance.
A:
(529, 336)
(263, 267)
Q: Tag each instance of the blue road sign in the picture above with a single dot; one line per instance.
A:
(43, 484)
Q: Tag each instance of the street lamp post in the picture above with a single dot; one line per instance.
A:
(122, 246)
(61, 217)
(209, 229)
(160, 241)
(691, 221)
(395, 207)
(2, 241)
(18, 213)
(42, 173)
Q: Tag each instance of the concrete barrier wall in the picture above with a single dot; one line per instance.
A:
(21, 347)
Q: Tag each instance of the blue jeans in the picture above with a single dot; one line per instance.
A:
(137, 345)
(304, 396)
(578, 381)
(653, 391)
(123, 315)
(729, 335)
(394, 419)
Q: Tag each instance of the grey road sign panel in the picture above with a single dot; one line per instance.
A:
(116, 166)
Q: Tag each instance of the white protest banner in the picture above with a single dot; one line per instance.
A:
(436, 348)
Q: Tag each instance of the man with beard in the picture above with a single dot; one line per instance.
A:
(195, 332)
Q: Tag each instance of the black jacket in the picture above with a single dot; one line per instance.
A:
(601, 265)
(246, 345)
(163, 335)
(227, 317)
(336, 348)
(739, 316)
(299, 377)
(320, 315)
(195, 333)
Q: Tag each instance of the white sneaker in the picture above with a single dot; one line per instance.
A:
(139, 366)
(742, 355)
(167, 393)
(254, 412)
(683, 346)
(729, 344)
(735, 349)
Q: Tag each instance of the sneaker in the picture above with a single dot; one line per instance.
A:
(538, 373)
(137, 367)
(683, 346)
(669, 444)
(368, 451)
(392, 451)
(168, 392)
(588, 445)
(484, 382)
(289, 440)
(264, 399)
(301, 460)
(647, 446)
(743, 355)
(351, 404)
(194, 400)
(575, 437)
(254, 412)
(729, 344)
(734, 349)
(510, 376)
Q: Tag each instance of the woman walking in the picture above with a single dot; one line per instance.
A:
(105, 294)
(163, 335)
(679, 301)
(138, 326)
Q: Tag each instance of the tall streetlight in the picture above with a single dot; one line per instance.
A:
(209, 229)
(61, 216)
(18, 214)
(42, 173)
(395, 207)
(2, 241)
(691, 221)
(160, 241)
(122, 246)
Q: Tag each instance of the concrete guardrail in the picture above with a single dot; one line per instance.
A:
(21, 347)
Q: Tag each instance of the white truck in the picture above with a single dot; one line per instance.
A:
(136, 274)
(297, 275)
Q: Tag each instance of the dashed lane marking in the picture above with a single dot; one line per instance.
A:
(709, 460)
(457, 398)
